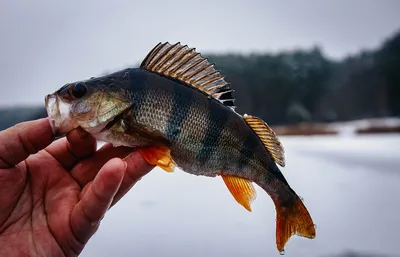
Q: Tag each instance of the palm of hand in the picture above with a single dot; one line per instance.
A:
(52, 202)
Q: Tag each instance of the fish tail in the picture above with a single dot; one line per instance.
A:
(291, 220)
(292, 217)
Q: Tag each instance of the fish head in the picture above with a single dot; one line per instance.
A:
(89, 104)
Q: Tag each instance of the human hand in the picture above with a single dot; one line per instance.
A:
(52, 200)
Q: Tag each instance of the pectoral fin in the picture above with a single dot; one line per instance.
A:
(242, 190)
(160, 156)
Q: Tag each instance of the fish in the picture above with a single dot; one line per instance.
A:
(178, 111)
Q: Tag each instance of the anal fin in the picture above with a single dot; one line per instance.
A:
(241, 189)
(159, 156)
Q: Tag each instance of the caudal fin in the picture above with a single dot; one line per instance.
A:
(292, 220)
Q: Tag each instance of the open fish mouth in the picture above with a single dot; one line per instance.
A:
(53, 112)
(59, 115)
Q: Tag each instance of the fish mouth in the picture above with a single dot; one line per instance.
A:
(53, 112)
(58, 114)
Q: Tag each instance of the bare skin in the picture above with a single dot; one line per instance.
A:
(53, 195)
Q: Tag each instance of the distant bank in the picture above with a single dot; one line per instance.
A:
(14, 115)
(364, 126)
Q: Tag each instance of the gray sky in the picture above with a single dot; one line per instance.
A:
(45, 44)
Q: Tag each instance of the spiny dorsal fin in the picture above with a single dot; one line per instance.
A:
(186, 65)
(268, 138)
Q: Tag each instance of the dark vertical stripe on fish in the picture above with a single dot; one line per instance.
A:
(246, 151)
(180, 109)
(138, 83)
(216, 123)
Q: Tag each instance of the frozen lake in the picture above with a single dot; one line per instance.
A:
(350, 186)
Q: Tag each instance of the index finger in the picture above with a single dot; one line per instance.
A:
(22, 140)
(77, 145)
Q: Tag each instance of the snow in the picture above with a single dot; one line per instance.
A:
(349, 185)
(350, 127)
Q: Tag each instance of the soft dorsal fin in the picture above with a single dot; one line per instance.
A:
(268, 138)
(186, 65)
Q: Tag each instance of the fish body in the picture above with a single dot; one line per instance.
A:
(202, 135)
(178, 110)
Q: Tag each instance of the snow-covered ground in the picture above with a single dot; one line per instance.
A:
(350, 186)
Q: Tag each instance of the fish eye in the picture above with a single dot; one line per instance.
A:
(79, 90)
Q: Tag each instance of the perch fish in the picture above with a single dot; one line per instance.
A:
(179, 111)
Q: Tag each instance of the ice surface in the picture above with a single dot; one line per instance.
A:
(350, 186)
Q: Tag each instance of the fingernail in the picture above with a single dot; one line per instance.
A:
(82, 133)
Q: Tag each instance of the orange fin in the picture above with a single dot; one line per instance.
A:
(160, 156)
(242, 190)
(294, 220)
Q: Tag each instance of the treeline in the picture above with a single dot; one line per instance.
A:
(300, 86)
(305, 86)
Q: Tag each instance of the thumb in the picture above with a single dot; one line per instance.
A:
(86, 215)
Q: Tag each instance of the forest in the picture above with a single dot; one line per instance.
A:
(305, 86)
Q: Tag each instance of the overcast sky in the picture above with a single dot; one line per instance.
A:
(45, 44)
